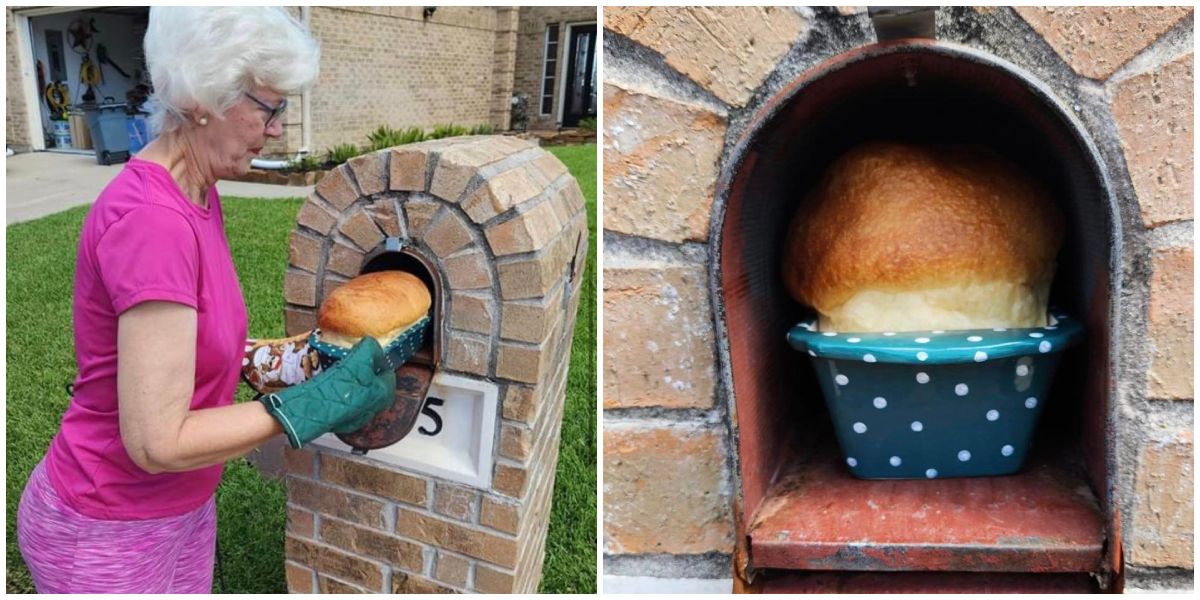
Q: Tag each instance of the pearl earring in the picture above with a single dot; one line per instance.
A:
(204, 120)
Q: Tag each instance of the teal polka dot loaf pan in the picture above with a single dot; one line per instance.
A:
(397, 352)
(936, 404)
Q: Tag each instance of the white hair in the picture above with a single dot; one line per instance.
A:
(203, 58)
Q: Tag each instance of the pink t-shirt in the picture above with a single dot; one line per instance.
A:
(144, 240)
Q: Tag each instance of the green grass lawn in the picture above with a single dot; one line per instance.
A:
(41, 361)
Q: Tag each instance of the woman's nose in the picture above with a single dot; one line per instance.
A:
(275, 129)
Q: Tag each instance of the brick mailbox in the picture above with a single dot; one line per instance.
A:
(496, 226)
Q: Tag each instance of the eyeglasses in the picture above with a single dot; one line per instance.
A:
(273, 112)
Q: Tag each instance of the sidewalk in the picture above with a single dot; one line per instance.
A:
(43, 183)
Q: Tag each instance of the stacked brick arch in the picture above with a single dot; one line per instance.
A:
(504, 225)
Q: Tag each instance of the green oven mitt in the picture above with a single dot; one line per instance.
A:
(342, 398)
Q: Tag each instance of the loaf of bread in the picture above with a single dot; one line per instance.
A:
(382, 305)
(907, 237)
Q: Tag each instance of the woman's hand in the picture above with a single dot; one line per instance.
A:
(156, 367)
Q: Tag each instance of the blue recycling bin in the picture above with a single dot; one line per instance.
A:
(139, 133)
(110, 135)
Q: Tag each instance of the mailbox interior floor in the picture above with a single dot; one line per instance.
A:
(928, 583)
(816, 516)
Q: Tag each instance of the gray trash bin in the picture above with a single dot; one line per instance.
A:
(109, 134)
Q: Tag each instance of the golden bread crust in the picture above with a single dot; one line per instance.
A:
(376, 304)
(892, 217)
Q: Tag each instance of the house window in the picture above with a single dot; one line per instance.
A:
(550, 65)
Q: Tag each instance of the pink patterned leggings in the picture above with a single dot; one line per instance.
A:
(69, 553)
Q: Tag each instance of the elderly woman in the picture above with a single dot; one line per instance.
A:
(124, 499)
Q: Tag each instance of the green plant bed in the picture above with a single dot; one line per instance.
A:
(251, 507)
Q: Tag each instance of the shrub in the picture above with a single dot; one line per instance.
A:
(386, 137)
(485, 129)
(304, 165)
(445, 131)
(342, 153)
(588, 124)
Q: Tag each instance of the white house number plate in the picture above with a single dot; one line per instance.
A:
(452, 439)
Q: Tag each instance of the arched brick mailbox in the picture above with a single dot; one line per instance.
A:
(799, 511)
(496, 227)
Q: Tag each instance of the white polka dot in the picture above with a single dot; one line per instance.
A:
(889, 333)
(860, 427)
(964, 455)
(1022, 370)
(993, 414)
(922, 340)
(1044, 347)
(869, 358)
(829, 333)
(931, 473)
(895, 460)
(854, 340)
(1036, 334)
(1006, 450)
(917, 426)
(1051, 328)
(961, 389)
(811, 353)
(922, 377)
(850, 461)
(999, 329)
(245, 361)
(841, 379)
(974, 338)
(1030, 402)
(938, 331)
(921, 356)
(880, 402)
(980, 356)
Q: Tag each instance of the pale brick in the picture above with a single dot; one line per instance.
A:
(296, 321)
(315, 216)
(331, 501)
(521, 362)
(520, 403)
(300, 462)
(405, 583)
(328, 585)
(327, 560)
(660, 165)
(456, 166)
(530, 321)
(299, 578)
(1163, 523)
(369, 172)
(447, 233)
(407, 169)
(530, 276)
(304, 252)
(470, 312)
(361, 230)
(467, 353)
(500, 193)
(526, 232)
(468, 271)
(727, 50)
(420, 210)
(344, 260)
(548, 167)
(370, 479)
(300, 522)
(1172, 325)
(503, 516)
(658, 337)
(460, 538)
(455, 501)
(677, 476)
(493, 581)
(452, 570)
(372, 544)
(515, 441)
(300, 288)
(509, 480)
(1153, 112)
(337, 189)
(1096, 41)
(383, 211)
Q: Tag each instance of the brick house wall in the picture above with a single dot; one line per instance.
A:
(690, 80)
(16, 132)
(531, 55)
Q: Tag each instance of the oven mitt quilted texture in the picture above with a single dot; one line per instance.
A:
(342, 398)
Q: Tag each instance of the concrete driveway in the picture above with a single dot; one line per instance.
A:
(43, 183)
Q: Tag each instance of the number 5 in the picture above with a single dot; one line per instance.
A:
(428, 411)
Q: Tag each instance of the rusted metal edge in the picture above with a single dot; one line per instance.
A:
(835, 556)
